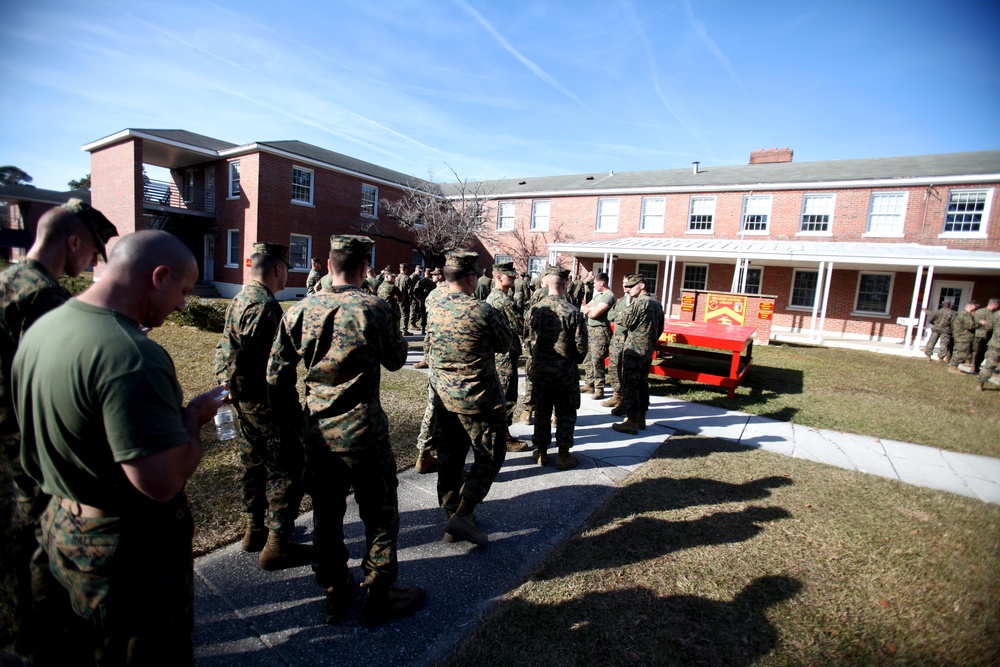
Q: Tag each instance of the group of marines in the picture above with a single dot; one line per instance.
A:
(970, 337)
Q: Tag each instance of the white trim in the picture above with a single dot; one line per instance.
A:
(513, 215)
(229, 248)
(857, 293)
(684, 276)
(532, 226)
(691, 202)
(308, 238)
(984, 223)
(791, 289)
(829, 223)
(610, 229)
(905, 194)
(229, 177)
(312, 184)
(374, 207)
(653, 229)
(118, 137)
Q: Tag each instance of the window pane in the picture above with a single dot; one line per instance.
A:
(302, 185)
(753, 281)
(886, 215)
(540, 215)
(804, 289)
(234, 247)
(298, 251)
(607, 214)
(648, 272)
(873, 293)
(505, 215)
(695, 277)
(965, 211)
(234, 179)
(652, 214)
(817, 210)
(702, 214)
(756, 212)
(536, 265)
(369, 200)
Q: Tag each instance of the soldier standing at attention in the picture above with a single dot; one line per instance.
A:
(992, 359)
(503, 282)
(521, 292)
(105, 434)
(389, 293)
(430, 434)
(272, 459)
(405, 285)
(463, 337)
(940, 321)
(598, 336)
(484, 285)
(315, 273)
(643, 324)
(415, 304)
(344, 337)
(429, 289)
(68, 241)
(983, 317)
(963, 329)
(558, 337)
(615, 352)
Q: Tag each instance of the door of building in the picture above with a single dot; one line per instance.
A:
(958, 292)
(210, 190)
(208, 273)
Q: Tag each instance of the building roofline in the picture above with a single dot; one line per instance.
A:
(118, 137)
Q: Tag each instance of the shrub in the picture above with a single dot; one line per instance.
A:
(204, 314)
(77, 285)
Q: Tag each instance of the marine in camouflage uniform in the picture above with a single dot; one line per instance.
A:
(484, 286)
(529, 401)
(991, 363)
(421, 290)
(642, 322)
(389, 293)
(558, 336)
(522, 292)
(430, 434)
(405, 285)
(982, 335)
(598, 336)
(315, 273)
(272, 460)
(615, 346)
(503, 280)
(344, 337)
(963, 329)
(940, 321)
(28, 290)
(463, 337)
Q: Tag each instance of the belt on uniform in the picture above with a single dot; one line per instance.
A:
(81, 510)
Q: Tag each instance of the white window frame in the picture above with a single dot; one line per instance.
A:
(541, 211)
(607, 221)
(694, 209)
(537, 261)
(309, 188)
(656, 276)
(815, 211)
(883, 230)
(888, 298)
(651, 222)
(505, 223)
(230, 247)
(684, 279)
(234, 190)
(369, 209)
(791, 290)
(500, 259)
(984, 215)
(307, 265)
(757, 205)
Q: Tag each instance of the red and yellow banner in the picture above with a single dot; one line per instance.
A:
(726, 309)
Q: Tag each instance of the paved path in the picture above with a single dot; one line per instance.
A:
(246, 617)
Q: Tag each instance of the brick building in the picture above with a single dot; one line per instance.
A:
(224, 197)
(849, 248)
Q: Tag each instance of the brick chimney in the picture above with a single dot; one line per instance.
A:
(769, 155)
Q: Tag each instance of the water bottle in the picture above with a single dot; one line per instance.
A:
(225, 422)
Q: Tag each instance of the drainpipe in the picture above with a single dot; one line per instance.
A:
(826, 299)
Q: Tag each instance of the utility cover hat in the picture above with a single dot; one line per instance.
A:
(93, 220)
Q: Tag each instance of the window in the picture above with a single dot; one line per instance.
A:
(607, 215)
(652, 214)
(233, 250)
(536, 266)
(754, 279)
(500, 259)
(803, 289)
(873, 293)
(540, 216)
(966, 211)
(234, 179)
(702, 214)
(300, 252)
(369, 201)
(885, 215)
(695, 276)
(756, 213)
(416, 258)
(302, 185)
(817, 212)
(648, 271)
(505, 216)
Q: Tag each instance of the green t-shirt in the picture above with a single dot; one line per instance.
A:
(91, 392)
(607, 297)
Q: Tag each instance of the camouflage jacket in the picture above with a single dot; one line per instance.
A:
(483, 288)
(940, 319)
(312, 280)
(463, 335)
(389, 293)
(27, 291)
(558, 335)
(643, 324)
(505, 305)
(435, 295)
(522, 292)
(372, 285)
(242, 353)
(405, 286)
(963, 326)
(995, 337)
(983, 315)
(574, 293)
(343, 337)
(422, 288)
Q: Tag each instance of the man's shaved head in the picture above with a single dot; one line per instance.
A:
(138, 254)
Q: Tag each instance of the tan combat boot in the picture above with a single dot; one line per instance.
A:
(612, 402)
(421, 364)
(515, 445)
(598, 393)
(426, 462)
(255, 536)
(586, 388)
(528, 417)
(628, 427)
(565, 460)
(280, 553)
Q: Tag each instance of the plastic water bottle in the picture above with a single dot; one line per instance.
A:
(225, 423)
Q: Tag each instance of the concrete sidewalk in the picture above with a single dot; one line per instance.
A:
(248, 617)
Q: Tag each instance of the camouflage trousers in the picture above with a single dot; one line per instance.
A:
(507, 372)
(598, 341)
(430, 434)
(961, 351)
(404, 308)
(943, 341)
(130, 583)
(633, 371)
(990, 365)
(615, 348)
(419, 314)
(564, 398)
(486, 435)
(329, 478)
(272, 468)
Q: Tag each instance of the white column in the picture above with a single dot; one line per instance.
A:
(923, 308)
(670, 290)
(913, 305)
(819, 285)
(826, 299)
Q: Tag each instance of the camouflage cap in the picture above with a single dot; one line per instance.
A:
(274, 249)
(557, 271)
(506, 268)
(361, 245)
(402, 266)
(389, 272)
(436, 272)
(633, 279)
(317, 260)
(463, 259)
(94, 220)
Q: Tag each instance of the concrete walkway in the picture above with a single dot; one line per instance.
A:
(248, 617)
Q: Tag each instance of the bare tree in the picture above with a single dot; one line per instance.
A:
(522, 244)
(439, 218)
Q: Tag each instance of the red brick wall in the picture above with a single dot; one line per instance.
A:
(116, 187)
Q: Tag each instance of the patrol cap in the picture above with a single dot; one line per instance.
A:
(562, 273)
(436, 272)
(506, 268)
(93, 220)
(633, 279)
(360, 245)
(462, 259)
(274, 249)
(317, 260)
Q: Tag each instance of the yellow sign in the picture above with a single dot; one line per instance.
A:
(726, 309)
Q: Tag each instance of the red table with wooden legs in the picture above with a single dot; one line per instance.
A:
(735, 344)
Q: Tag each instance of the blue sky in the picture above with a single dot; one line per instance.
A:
(503, 88)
